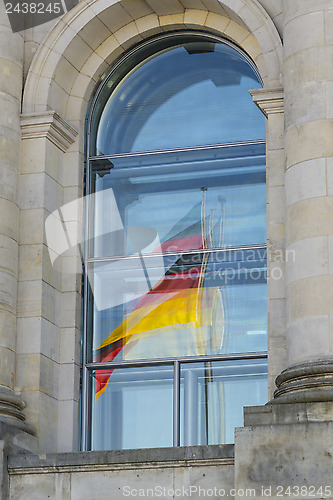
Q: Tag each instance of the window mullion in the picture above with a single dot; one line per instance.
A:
(176, 403)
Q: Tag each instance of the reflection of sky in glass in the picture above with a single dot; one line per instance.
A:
(166, 196)
(180, 99)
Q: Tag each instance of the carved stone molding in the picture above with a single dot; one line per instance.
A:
(11, 409)
(50, 125)
(306, 382)
(268, 100)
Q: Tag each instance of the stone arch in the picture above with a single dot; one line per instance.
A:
(93, 34)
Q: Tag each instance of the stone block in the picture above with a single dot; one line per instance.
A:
(236, 32)
(36, 372)
(307, 105)
(294, 29)
(330, 254)
(94, 65)
(301, 334)
(299, 8)
(194, 4)
(8, 291)
(275, 168)
(166, 21)
(68, 426)
(39, 191)
(41, 412)
(163, 8)
(306, 180)
(276, 280)
(219, 23)
(35, 264)
(114, 17)
(148, 24)
(71, 274)
(127, 35)
(69, 382)
(276, 205)
(275, 132)
(110, 49)
(195, 17)
(209, 481)
(70, 310)
(94, 32)
(114, 484)
(10, 116)
(7, 363)
(328, 26)
(11, 77)
(76, 109)
(37, 335)
(28, 487)
(7, 329)
(77, 52)
(271, 458)
(137, 8)
(64, 75)
(250, 18)
(83, 85)
(29, 299)
(70, 340)
(57, 98)
(310, 218)
(9, 255)
(32, 226)
(307, 66)
(311, 297)
(309, 257)
(9, 146)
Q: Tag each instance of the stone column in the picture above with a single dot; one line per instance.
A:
(308, 79)
(11, 64)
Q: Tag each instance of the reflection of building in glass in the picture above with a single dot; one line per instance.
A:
(132, 154)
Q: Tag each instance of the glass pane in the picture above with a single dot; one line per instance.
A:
(132, 408)
(213, 395)
(190, 94)
(206, 198)
(185, 304)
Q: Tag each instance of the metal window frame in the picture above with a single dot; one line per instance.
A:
(88, 367)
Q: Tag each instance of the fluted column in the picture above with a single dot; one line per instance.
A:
(308, 80)
(11, 64)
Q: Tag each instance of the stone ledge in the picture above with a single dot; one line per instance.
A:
(269, 101)
(288, 413)
(50, 125)
(120, 459)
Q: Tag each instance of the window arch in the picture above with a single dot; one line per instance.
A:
(175, 262)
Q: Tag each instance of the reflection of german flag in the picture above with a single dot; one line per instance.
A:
(177, 299)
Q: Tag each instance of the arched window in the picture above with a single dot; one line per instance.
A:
(175, 261)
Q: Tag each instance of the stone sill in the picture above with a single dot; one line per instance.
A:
(190, 456)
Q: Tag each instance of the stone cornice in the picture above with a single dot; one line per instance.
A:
(268, 100)
(49, 125)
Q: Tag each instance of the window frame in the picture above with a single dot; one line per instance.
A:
(88, 367)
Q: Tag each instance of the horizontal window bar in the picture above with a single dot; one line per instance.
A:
(177, 150)
(185, 359)
(201, 251)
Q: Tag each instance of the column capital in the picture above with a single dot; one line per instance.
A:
(50, 125)
(268, 100)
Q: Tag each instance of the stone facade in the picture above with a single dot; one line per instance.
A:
(47, 76)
